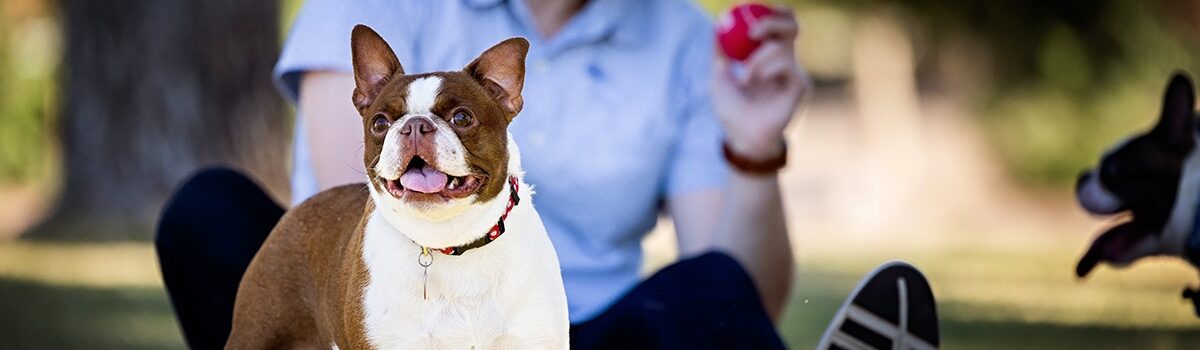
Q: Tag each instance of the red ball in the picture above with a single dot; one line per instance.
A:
(733, 33)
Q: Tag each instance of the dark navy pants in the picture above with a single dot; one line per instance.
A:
(215, 223)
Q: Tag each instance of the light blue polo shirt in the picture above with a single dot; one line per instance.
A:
(617, 115)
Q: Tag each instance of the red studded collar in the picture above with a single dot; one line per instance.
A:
(492, 234)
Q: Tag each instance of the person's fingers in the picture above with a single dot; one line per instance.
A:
(767, 51)
(780, 26)
(774, 72)
(770, 63)
(722, 69)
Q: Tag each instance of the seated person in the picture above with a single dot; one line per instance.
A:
(629, 113)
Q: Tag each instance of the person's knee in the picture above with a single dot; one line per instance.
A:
(215, 209)
(212, 188)
(714, 274)
(192, 204)
(714, 266)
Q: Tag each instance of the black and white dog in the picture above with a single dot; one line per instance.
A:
(1155, 177)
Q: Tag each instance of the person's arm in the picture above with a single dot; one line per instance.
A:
(334, 128)
(314, 71)
(753, 109)
(749, 227)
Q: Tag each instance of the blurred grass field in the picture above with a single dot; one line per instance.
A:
(991, 298)
(993, 294)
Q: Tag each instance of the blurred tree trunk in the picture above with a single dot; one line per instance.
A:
(154, 89)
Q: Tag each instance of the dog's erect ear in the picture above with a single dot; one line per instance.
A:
(1176, 122)
(374, 65)
(501, 71)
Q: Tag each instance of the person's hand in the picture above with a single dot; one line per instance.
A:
(755, 106)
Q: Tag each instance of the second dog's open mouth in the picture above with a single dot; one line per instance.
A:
(423, 181)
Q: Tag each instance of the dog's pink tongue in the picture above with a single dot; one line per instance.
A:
(426, 179)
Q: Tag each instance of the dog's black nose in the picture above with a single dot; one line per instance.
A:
(420, 125)
(1083, 177)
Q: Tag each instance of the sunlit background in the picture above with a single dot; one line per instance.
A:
(944, 133)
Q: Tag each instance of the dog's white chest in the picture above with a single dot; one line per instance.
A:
(405, 323)
(484, 299)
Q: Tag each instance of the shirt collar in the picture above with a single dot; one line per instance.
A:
(614, 20)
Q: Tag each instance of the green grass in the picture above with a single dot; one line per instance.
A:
(45, 316)
(964, 324)
(1013, 291)
(83, 296)
(990, 296)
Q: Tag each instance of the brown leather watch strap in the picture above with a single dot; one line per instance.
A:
(751, 166)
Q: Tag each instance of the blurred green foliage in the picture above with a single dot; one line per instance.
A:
(28, 60)
(1073, 77)
(1069, 77)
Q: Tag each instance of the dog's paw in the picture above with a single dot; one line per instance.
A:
(1119, 246)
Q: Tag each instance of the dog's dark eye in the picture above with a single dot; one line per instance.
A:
(461, 119)
(380, 124)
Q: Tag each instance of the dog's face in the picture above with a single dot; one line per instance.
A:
(436, 143)
(1142, 177)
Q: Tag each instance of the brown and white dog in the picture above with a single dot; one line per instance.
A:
(414, 258)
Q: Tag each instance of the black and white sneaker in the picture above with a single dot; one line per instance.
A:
(892, 308)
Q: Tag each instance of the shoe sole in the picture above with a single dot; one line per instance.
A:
(892, 308)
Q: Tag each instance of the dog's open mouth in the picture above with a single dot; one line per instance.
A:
(423, 181)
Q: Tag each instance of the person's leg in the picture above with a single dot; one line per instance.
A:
(706, 302)
(209, 231)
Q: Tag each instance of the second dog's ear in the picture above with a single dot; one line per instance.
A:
(374, 65)
(1176, 122)
(501, 71)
